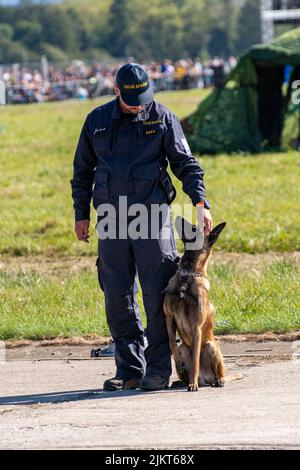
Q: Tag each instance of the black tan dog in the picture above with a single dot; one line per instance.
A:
(187, 308)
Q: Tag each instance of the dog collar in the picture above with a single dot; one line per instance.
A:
(185, 273)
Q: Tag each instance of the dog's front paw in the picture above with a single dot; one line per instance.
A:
(218, 383)
(193, 387)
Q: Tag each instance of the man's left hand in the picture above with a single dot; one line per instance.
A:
(208, 222)
(204, 219)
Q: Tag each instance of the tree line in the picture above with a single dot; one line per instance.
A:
(107, 29)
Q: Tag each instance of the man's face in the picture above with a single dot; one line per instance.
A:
(124, 107)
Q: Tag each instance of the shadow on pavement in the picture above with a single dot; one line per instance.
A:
(76, 395)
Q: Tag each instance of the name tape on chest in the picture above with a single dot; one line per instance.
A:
(101, 129)
(149, 123)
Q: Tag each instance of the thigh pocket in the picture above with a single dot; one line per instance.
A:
(167, 246)
(167, 243)
(169, 266)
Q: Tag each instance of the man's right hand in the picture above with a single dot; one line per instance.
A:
(82, 230)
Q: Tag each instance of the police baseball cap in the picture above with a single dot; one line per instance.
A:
(134, 85)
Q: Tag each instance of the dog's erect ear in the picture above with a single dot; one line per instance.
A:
(185, 229)
(214, 234)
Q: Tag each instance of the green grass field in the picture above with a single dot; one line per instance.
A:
(34, 306)
(258, 196)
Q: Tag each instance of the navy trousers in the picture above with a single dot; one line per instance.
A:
(119, 262)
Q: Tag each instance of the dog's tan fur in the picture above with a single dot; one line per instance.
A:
(187, 309)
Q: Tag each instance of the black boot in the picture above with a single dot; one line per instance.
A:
(154, 382)
(117, 383)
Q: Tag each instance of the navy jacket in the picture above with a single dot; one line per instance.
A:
(118, 154)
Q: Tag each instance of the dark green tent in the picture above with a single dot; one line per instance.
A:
(247, 113)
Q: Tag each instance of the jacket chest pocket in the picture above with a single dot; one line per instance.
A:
(146, 183)
(102, 138)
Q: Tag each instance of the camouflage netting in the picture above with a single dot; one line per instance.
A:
(248, 113)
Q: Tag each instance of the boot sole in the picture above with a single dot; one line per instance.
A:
(112, 388)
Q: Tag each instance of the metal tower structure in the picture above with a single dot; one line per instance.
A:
(277, 11)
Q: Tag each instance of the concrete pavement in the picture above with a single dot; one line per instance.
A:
(52, 398)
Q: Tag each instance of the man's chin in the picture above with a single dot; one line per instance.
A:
(132, 111)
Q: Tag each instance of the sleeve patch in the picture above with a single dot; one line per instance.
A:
(186, 146)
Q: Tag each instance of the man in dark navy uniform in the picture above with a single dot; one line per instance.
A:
(123, 151)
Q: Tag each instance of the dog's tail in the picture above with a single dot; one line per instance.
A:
(232, 377)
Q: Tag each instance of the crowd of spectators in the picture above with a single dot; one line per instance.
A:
(78, 80)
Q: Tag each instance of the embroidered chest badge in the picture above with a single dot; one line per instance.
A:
(150, 132)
